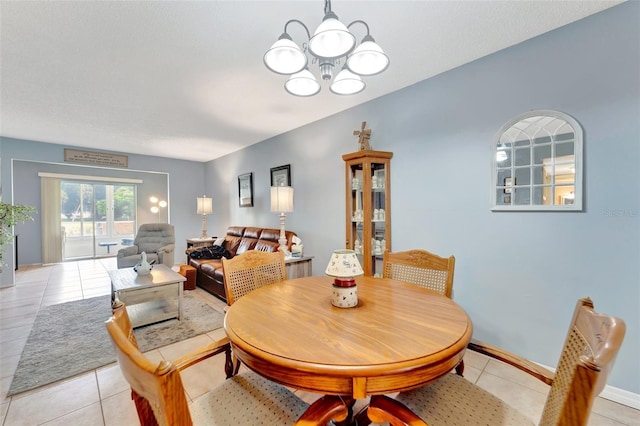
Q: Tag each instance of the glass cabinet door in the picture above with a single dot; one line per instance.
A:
(368, 207)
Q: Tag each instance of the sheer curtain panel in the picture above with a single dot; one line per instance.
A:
(52, 232)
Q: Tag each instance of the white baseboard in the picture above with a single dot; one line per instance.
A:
(621, 396)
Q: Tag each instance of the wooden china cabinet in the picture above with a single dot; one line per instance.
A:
(368, 207)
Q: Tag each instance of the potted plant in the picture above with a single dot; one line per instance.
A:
(11, 214)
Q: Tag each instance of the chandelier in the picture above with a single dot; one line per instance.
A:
(331, 42)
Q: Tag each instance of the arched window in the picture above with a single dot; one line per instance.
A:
(537, 163)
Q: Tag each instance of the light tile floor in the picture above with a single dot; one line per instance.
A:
(102, 396)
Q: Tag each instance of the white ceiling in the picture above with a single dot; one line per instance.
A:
(185, 79)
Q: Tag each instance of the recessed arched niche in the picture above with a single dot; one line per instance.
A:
(537, 163)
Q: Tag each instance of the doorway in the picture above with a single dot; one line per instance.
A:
(97, 219)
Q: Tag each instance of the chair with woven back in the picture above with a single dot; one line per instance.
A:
(251, 270)
(590, 348)
(424, 269)
(248, 271)
(245, 399)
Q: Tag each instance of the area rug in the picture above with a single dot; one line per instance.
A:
(71, 338)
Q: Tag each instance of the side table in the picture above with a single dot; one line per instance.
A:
(298, 267)
(200, 242)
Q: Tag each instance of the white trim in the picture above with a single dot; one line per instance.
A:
(621, 396)
(91, 178)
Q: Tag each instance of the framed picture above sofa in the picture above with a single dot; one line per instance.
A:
(281, 176)
(245, 190)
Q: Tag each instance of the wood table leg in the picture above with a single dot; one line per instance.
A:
(336, 410)
(350, 419)
(361, 418)
(324, 410)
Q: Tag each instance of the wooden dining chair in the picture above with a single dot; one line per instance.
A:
(244, 399)
(424, 269)
(590, 348)
(251, 270)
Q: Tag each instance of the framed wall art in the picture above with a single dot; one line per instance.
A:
(245, 190)
(281, 176)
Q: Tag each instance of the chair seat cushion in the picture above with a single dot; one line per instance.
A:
(247, 399)
(210, 266)
(454, 400)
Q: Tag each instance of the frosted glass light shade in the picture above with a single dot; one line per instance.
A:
(368, 59)
(347, 83)
(157, 204)
(332, 39)
(204, 205)
(281, 199)
(344, 264)
(285, 57)
(302, 84)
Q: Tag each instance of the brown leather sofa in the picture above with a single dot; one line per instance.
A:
(238, 239)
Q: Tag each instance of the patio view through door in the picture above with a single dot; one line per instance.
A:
(97, 218)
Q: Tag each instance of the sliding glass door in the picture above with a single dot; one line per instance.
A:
(97, 218)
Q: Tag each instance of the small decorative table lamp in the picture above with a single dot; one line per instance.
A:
(344, 266)
(282, 202)
(204, 206)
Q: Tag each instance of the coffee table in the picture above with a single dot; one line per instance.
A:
(149, 298)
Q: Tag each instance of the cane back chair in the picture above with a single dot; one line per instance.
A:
(251, 270)
(590, 348)
(244, 399)
(422, 268)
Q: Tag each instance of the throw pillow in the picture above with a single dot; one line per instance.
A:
(219, 241)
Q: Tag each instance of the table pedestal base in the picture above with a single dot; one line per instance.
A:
(358, 419)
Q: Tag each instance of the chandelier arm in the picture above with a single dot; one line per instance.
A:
(299, 22)
(361, 22)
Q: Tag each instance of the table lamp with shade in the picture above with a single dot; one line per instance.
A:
(282, 202)
(204, 206)
(344, 266)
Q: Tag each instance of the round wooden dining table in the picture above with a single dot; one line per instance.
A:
(399, 337)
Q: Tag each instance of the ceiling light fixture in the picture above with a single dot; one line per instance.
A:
(331, 42)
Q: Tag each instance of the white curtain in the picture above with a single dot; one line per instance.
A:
(52, 232)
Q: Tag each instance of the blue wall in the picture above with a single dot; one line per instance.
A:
(518, 275)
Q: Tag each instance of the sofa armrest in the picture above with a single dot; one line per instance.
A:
(128, 251)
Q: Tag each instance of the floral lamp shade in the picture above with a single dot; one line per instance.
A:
(344, 266)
